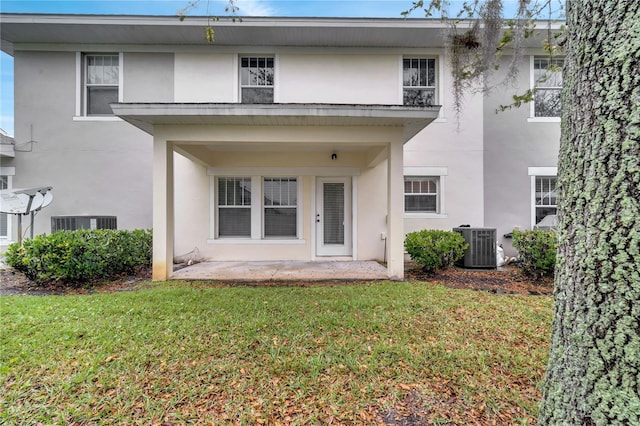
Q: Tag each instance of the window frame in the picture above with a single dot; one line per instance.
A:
(81, 86)
(417, 180)
(232, 206)
(257, 207)
(242, 85)
(535, 173)
(438, 173)
(535, 86)
(436, 75)
(265, 207)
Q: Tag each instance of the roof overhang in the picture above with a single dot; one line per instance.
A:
(122, 30)
(147, 115)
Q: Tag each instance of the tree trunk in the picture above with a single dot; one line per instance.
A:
(593, 376)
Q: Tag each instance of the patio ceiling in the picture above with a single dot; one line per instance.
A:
(147, 115)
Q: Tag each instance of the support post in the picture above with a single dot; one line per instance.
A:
(395, 211)
(163, 205)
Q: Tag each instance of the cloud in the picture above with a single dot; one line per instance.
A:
(255, 8)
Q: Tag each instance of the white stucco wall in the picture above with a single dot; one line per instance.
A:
(205, 77)
(372, 212)
(303, 153)
(457, 146)
(334, 77)
(95, 166)
(339, 78)
(513, 143)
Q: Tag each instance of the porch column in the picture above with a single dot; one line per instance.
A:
(395, 211)
(163, 218)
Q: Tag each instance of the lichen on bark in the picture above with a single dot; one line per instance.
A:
(593, 375)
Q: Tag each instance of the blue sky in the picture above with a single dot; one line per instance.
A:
(317, 8)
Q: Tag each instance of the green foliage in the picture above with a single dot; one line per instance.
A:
(537, 251)
(433, 249)
(80, 256)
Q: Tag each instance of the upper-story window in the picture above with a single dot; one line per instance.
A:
(547, 81)
(101, 83)
(256, 80)
(419, 81)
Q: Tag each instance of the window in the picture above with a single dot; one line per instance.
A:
(280, 207)
(547, 82)
(4, 219)
(421, 194)
(234, 207)
(419, 81)
(101, 83)
(256, 80)
(545, 200)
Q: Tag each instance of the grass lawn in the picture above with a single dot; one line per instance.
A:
(186, 353)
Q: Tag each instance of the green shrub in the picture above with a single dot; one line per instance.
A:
(81, 256)
(537, 250)
(433, 249)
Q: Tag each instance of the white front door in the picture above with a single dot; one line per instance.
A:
(333, 216)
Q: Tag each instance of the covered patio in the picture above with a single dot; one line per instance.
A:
(345, 163)
(287, 270)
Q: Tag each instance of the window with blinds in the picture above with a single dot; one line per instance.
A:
(280, 207)
(101, 83)
(421, 194)
(333, 213)
(234, 207)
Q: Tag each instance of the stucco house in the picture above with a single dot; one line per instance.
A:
(285, 139)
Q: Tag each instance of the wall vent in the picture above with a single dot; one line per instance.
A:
(482, 247)
(72, 223)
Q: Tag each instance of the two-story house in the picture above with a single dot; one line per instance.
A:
(285, 139)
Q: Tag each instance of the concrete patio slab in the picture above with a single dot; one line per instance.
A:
(283, 271)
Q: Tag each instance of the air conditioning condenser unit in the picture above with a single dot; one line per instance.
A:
(482, 247)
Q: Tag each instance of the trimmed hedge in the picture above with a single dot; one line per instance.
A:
(81, 256)
(433, 249)
(537, 250)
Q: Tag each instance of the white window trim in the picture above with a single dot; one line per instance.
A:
(441, 173)
(215, 207)
(440, 82)
(10, 173)
(276, 75)
(80, 110)
(533, 173)
(532, 110)
(263, 208)
(440, 98)
(257, 208)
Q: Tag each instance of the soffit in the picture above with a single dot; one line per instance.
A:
(251, 31)
(145, 115)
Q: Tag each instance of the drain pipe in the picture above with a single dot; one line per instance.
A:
(383, 236)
